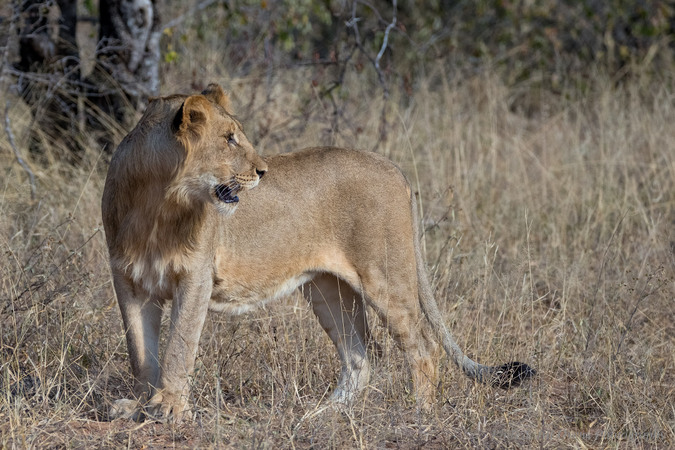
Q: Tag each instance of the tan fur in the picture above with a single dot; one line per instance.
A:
(339, 224)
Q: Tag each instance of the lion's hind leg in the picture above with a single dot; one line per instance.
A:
(341, 313)
(395, 302)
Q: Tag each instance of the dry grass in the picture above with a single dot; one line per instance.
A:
(550, 237)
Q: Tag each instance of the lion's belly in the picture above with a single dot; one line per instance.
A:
(241, 297)
(270, 272)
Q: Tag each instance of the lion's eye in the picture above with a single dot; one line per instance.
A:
(231, 140)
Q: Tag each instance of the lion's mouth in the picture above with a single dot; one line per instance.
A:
(227, 193)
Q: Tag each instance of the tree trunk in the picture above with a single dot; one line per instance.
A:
(127, 61)
(67, 103)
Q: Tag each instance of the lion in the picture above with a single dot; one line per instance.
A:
(193, 216)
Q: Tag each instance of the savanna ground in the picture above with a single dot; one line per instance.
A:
(549, 234)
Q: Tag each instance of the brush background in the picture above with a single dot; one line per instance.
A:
(547, 193)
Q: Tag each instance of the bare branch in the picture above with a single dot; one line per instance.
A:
(385, 41)
(4, 63)
(353, 24)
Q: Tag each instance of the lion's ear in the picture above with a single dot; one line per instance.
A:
(218, 96)
(192, 117)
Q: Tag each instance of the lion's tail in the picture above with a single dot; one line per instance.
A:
(504, 376)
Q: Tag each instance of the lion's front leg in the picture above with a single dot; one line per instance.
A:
(188, 312)
(141, 317)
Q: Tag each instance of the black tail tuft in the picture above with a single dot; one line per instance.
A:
(512, 374)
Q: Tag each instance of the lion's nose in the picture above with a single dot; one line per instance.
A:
(260, 172)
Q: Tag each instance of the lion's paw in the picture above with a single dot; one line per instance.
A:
(126, 409)
(165, 407)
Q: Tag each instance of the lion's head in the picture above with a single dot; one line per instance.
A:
(218, 160)
(186, 150)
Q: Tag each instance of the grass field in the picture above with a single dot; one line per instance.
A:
(549, 233)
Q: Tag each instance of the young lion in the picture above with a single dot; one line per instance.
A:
(182, 222)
